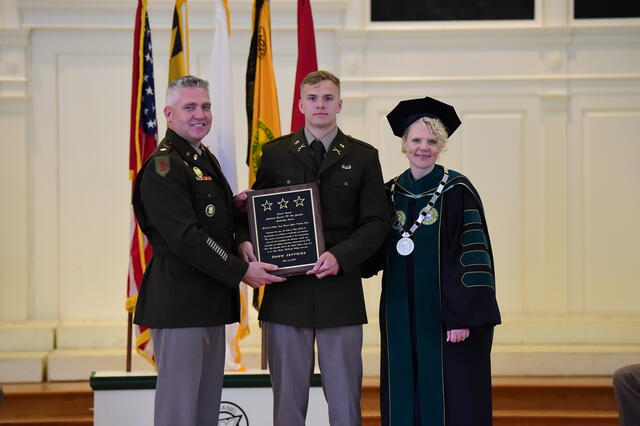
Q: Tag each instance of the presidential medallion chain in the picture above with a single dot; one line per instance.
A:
(406, 245)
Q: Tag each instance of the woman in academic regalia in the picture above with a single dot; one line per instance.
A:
(438, 306)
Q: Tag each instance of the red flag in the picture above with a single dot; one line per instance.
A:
(307, 60)
(142, 143)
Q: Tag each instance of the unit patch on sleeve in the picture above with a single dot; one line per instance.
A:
(163, 165)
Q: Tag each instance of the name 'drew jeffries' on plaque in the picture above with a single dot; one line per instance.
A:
(286, 227)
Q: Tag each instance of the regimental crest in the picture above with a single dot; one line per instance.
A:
(232, 415)
(401, 217)
(431, 217)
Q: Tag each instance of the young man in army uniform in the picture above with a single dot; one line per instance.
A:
(326, 305)
(184, 206)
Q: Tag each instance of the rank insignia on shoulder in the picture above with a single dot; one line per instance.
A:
(163, 164)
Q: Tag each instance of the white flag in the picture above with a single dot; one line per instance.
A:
(221, 141)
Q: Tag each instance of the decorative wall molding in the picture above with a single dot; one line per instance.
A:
(13, 67)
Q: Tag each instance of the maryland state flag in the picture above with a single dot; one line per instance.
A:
(179, 49)
(262, 98)
(142, 143)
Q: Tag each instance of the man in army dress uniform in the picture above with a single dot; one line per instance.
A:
(184, 206)
(326, 305)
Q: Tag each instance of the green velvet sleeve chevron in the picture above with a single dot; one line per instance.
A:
(467, 270)
(475, 251)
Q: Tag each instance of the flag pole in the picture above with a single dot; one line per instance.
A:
(263, 348)
(129, 337)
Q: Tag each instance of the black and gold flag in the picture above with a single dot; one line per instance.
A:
(179, 49)
(263, 116)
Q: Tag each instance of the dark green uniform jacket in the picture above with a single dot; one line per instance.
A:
(355, 217)
(184, 206)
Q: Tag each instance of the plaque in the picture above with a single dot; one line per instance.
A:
(286, 227)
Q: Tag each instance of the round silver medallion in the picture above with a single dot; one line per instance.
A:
(405, 246)
(210, 210)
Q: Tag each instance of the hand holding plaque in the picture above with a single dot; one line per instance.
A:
(286, 227)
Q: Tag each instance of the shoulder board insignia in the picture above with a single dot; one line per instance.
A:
(164, 148)
(163, 164)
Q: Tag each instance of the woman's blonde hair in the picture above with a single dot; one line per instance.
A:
(437, 129)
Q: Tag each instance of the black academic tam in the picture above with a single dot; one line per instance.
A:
(410, 110)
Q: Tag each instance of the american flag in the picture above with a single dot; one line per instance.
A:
(143, 141)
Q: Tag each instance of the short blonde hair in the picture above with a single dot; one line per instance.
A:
(437, 129)
(316, 77)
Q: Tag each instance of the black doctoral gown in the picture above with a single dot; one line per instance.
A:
(446, 283)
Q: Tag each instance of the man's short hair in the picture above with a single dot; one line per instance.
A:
(316, 77)
(182, 82)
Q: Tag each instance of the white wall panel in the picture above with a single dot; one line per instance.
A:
(14, 213)
(611, 206)
(94, 187)
(43, 194)
(491, 150)
(611, 50)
